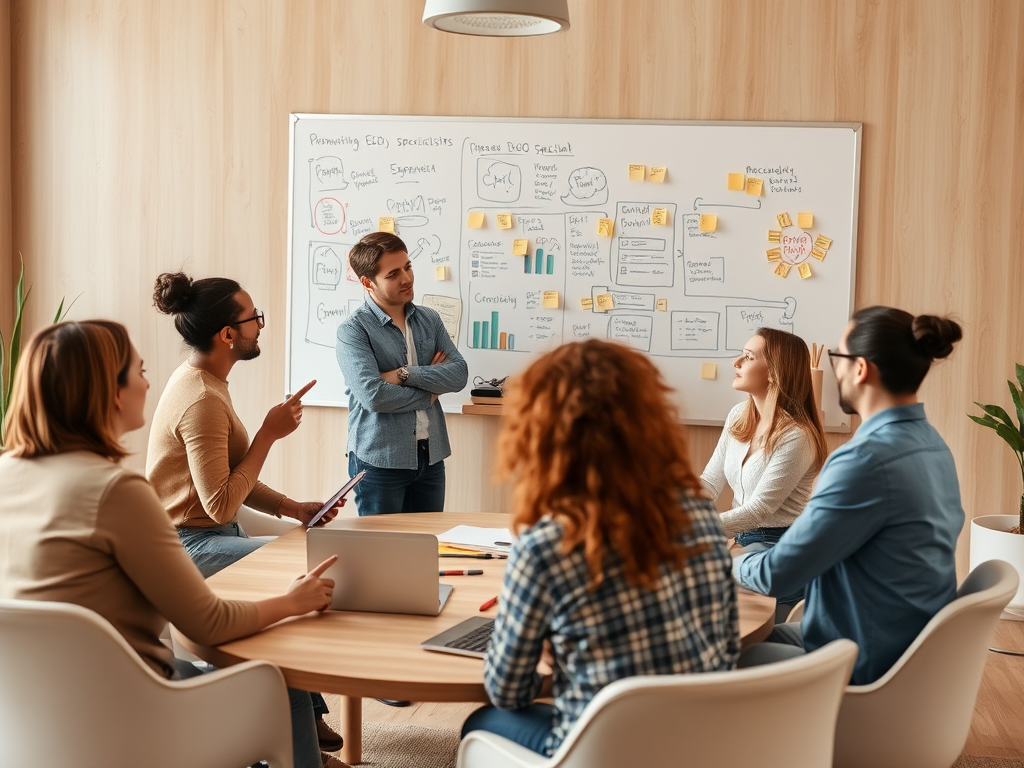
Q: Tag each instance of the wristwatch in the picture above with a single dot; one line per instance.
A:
(403, 375)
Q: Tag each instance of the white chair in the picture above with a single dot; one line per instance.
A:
(711, 720)
(919, 713)
(74, 691)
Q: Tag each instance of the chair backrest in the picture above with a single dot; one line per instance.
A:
(716, 718)
(73, 690)
(919, 713)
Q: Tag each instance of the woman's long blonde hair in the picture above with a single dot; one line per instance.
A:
(790, 397)
(592, 440)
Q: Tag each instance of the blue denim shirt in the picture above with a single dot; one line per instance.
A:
(382, 416)
(875, 545)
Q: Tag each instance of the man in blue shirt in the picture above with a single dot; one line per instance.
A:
(397, 358)
(875, 545)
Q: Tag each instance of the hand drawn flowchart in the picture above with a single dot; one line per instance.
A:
(525, 235)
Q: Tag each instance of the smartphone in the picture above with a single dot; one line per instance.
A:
(341, 494)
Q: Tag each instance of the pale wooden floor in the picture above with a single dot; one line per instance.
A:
(997, 729)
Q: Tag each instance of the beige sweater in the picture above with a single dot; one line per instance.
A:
(78, 528)
(194, 446)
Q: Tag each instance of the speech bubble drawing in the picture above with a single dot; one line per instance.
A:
(587, 186)
(330, 173)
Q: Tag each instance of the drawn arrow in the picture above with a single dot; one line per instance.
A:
(700, 201)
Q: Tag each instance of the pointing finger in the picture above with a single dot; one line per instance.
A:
(298, 395)
(323, 566)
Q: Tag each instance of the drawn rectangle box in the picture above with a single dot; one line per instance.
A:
(642, 243)
(626, 300)
(634, 330)
(695, 331)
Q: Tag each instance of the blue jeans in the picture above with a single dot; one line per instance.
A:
(214, 549)
(305, 747)
(760, 539)
(529, 726)
(387, 491)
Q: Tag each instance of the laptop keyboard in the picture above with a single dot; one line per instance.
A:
(475, 640)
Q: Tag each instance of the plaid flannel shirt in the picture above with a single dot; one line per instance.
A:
(688, 623)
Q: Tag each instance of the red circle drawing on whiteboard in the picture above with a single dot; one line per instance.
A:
(330, 216)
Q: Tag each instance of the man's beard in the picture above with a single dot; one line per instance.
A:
(845, 404)
(249, 350)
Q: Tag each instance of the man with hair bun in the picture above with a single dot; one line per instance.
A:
(875, 546)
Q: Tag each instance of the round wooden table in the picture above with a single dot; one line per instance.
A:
(378, 655)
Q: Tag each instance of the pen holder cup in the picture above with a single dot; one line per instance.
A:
(816, 379)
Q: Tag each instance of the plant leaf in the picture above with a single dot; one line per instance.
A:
(1020, 374)
(15, 349)
(61, 312)
(999, 412)
(985, 421)
(1012, 437)
(60, 309)
(1018, 403)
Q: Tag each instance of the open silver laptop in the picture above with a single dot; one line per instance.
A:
(380, 571)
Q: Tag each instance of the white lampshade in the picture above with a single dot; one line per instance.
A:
(497, 18)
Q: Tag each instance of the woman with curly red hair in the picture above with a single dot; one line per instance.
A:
(620, 567)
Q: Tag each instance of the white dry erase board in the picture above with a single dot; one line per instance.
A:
(687, 293)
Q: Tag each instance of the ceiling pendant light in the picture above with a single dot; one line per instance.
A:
(497, 18)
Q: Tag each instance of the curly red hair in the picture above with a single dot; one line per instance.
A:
(593, 441)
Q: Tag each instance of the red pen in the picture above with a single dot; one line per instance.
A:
(489, 603)
(473, 572)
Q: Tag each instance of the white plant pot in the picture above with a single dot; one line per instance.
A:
(990, 541)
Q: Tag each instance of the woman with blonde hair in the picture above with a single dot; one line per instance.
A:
(620, 567)
(77, 527)
(772, 445)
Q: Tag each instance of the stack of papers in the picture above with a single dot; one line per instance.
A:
(477, 539)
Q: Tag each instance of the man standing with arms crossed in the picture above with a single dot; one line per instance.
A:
(397, 358)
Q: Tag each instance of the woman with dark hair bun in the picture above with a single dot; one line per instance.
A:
(200, 460)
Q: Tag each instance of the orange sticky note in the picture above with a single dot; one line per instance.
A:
(784, 220)
(504, 221)
(657, 174)
(774, 254)
(783, 269)
(605, 227)
(817, 253)
(754, 186)
(805, 220)
(823, 242)
(709, 370)
(661, 305)
(476, 220)
(708, 222)
(386, 224)
(550, 300)
(605, 302)
(804, 270)
(774, 235)
(637, 172)
(587, 303)
(736, 182)
(659, 217)
(520, 246)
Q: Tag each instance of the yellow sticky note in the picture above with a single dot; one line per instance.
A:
(504, 221)
(587, 303)
(520, 246)
(605, 227)
(774, 254)
(774, 235)
(659, 217)
(441, 272)
(736, 182)
(708, 222)
(817, 253)
(754, 186)
(709, 370)
(784, 220)
(783, 269)
(805, 220)
(605, 302)
(550, 300)
(804, 270)
(661, 305)
(386, 224)
(637, 172)
(476, 220)
(657, 174)
(823, 242)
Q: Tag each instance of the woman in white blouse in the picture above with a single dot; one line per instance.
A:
(772, 445)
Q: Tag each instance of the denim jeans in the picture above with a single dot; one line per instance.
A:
(387, 491)
(529, 726)
(214, 549)
(305, 747)
(760, 539)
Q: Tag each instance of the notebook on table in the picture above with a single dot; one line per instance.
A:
(380, 571)
(467, 638)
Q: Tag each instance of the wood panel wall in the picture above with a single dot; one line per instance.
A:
(6, 259)
(152, 134)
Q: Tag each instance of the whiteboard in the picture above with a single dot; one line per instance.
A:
(688, 298)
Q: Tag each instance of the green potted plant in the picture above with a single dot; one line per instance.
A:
(11, 351)
(999, 537)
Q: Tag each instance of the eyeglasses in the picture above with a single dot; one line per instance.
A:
(258, 317)
(832, 354)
